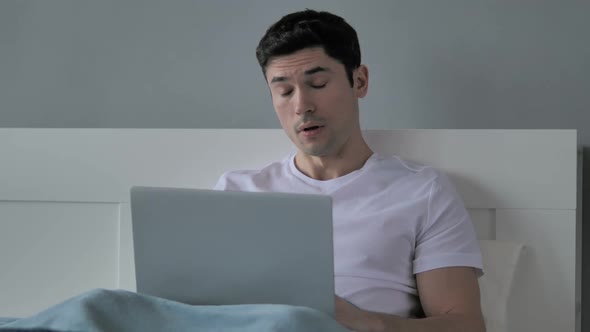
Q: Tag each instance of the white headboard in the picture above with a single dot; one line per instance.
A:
(65, 221)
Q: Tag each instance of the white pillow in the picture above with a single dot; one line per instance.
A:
(500, 260)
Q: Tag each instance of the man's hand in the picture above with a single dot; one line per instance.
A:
(356, 319)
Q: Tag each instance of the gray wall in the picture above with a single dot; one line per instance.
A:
(172, 64)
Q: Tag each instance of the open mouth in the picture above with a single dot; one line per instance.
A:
(311, 131)
(311, 128)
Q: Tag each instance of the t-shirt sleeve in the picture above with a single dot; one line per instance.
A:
(447, 238)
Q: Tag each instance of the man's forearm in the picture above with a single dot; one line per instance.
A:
(442, 323)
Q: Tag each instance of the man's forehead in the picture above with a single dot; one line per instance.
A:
(305, 62)
(287, 75)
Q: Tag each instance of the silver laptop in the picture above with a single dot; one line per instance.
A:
(211, 247)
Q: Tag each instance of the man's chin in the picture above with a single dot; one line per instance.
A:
(315, 151)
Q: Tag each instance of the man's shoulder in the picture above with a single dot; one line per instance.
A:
(398, 167)
(252, 179)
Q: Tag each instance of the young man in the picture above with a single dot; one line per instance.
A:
(406, 255)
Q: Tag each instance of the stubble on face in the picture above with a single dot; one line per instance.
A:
(330, 107)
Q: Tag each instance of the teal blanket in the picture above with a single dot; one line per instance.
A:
(108, 310)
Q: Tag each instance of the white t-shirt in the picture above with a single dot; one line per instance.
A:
(392, 219)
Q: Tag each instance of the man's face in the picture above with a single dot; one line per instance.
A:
(313, 99)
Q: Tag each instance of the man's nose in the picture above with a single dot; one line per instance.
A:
(303, 103)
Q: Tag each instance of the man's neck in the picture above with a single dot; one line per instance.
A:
(334, 166)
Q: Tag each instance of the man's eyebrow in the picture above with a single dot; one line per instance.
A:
(317, 69)
(308, 72)
(277, 79)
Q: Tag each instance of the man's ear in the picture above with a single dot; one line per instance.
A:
(361, 81)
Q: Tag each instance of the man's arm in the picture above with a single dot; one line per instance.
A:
(450, 299)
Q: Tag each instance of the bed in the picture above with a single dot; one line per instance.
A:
(65, 220)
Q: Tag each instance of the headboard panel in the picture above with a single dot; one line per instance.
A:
(65, 221)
